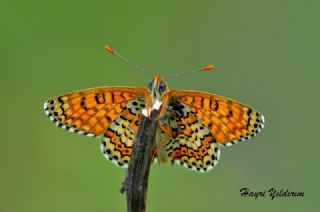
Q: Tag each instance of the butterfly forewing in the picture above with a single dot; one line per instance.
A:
(228, 121)
(90, 111)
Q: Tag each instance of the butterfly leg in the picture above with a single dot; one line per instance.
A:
(167, 130)
(147, 111)
(164, 137)
(164, 104)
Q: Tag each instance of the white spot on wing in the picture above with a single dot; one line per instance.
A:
(262, 118)
(90, 135)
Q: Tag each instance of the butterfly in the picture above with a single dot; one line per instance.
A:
(193, 125)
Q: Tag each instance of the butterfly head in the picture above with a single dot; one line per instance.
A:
(157, 87)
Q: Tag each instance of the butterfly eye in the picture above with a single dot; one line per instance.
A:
(150, 85)
(162, 86)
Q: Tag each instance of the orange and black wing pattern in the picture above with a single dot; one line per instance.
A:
(189, 144)
(91, 111)
(118, 139)
(228, 121)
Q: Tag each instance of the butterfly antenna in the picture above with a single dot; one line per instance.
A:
(110, 50)
(205, 68)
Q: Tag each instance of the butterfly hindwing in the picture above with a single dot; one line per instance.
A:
(190, 144)
(117, 141)
(90, 111)
(228, 121)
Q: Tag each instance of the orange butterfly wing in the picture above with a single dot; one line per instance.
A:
(189, 143)
(91, 111)
(118, 139)
(228, 121)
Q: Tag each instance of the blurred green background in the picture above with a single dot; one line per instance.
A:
(266, 54)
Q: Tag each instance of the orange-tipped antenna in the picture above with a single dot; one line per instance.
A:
(208, 67)
(205, 68)
(110, 50)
